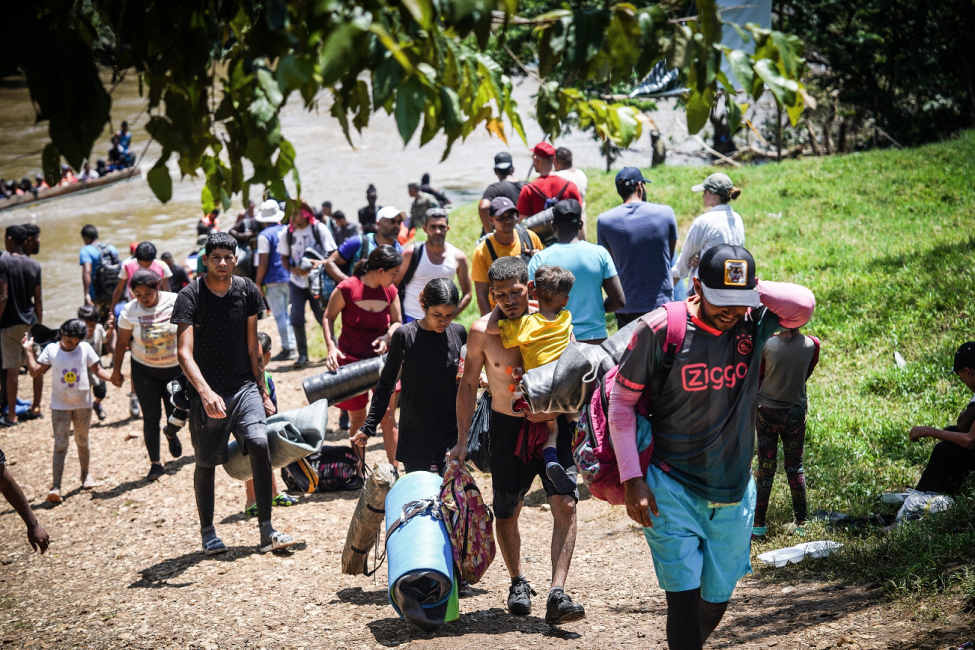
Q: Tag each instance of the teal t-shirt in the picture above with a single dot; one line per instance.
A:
(590, 264)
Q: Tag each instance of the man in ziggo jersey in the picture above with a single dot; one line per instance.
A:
(697, 499)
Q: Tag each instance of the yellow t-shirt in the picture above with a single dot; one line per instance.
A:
(481, 261)
(541, 341)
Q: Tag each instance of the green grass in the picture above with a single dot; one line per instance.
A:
(886, 241)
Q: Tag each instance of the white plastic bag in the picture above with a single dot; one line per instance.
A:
(799, 552)
(921, 504)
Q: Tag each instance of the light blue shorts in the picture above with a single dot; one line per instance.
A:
(695, 545)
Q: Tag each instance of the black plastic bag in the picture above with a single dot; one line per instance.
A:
(478, 444)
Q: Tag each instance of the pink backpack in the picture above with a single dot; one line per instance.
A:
(592, 445)
(469, 522)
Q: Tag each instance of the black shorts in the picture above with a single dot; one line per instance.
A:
(246, 420)
(510, 476)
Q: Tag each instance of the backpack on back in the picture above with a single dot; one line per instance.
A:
(109, 269)
(592, 445)
(549, 201)
(469, 523)
(526, 244)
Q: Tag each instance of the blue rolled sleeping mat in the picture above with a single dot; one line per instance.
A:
(418, 553)
(291, 436)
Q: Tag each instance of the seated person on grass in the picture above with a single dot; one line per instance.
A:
(953, 459)
(542, 337)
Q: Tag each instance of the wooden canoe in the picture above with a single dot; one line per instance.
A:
(67, 190)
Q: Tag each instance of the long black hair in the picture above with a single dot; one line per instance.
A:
(382, 258)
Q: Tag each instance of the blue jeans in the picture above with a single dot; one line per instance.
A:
(279, 297)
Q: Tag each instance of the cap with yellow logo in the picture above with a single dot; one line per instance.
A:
(727, 276)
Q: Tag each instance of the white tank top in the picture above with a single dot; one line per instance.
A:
(426, 271)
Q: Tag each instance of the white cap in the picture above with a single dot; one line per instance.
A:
(389, 212)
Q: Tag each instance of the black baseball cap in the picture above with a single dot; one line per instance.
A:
(567, 211)
(964, 357)
(502, 160)
(727, 276)
(500, 205)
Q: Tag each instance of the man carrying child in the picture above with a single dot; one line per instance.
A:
(512, 477)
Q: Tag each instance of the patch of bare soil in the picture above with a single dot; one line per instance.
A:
(125, 570)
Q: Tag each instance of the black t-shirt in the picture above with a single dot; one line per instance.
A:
(180, 278)
(23, 276)
(511, 189)
(367, 215)
(220, 338)
(428, 412)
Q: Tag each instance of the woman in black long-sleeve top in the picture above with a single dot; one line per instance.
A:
(428, 352)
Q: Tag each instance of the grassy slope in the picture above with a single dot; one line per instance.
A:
(886, 240)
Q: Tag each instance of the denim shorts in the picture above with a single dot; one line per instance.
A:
(695, 544)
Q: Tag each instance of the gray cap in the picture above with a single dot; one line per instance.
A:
(719, 184)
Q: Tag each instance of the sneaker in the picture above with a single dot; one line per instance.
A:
(88, 483)
(54, 496)
(562, 481)
(155, 471)
(520, 598)
(134, 409)
(214, 546)
(758, 533)
(302, 361)
(561, 609)
(100, 412)
(285, 355)
(344, 421)
(175, 446)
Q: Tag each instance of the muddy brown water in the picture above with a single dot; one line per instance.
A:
(330, 170)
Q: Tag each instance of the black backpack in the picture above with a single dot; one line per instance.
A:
(334, 468)
(109, 269)
(411, 269)
(526, 245)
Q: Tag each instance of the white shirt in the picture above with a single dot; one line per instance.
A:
(153, 336)
(426, 271)
(720, 225)
(70, 388)
(304, 239)
(577, 176)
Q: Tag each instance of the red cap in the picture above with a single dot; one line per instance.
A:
(544, 149)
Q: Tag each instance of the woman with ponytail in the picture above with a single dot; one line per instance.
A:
(428, 351)
(371, 312)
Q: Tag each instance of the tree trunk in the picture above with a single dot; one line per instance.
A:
(842, 143)
(812, 138)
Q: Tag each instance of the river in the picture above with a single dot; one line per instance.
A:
(330, 170)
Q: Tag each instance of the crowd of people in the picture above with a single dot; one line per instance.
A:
(119, 157)
(716, 360)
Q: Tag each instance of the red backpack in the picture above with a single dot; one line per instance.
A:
(592, 445)
(469, 523)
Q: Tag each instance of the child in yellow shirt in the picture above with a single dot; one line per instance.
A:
(542, 337)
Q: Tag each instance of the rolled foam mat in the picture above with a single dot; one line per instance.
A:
(346, 382)
(418, 555)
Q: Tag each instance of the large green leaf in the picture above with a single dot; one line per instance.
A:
(741, 67)
(783, 89)
(339, 53)
(160, 181)
(409, 106)
(698, 109)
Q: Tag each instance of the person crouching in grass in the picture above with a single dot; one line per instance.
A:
(71, 402)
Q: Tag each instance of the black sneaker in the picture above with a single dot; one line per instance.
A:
(155, 471)
(560, 478)
(302, 361)
(561, 609)
(175, 446)
(285, 355)
(520, 598)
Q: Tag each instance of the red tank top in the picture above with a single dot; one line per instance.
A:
(361, 327)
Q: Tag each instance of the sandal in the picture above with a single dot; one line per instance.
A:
(32, 414)
(284, 500)
(214, 546)
(278, 541)
(4, 422)
(251, 511)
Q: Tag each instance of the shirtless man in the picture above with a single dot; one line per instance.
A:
(508, 278)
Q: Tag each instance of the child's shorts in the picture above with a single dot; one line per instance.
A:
(696, 545)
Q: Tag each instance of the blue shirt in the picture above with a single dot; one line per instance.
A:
(351, 247)
(91, 255)
(639, 236)
(590, 264)
(276, 272)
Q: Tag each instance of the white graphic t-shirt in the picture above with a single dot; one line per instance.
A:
(70, 388)
(153, 336)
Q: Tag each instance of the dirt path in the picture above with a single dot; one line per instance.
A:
(125, 570)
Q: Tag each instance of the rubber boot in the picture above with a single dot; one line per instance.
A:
(301, 342)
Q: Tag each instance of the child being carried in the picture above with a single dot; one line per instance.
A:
(542, 337)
